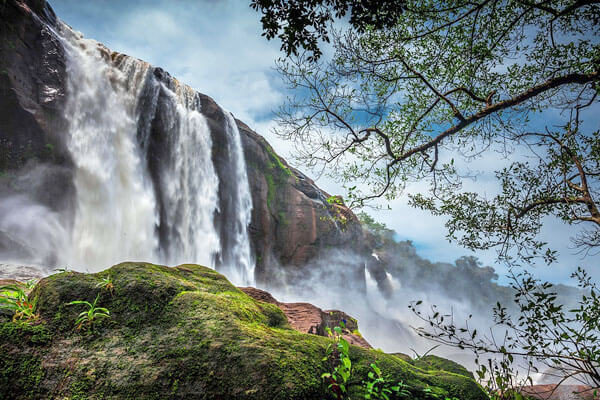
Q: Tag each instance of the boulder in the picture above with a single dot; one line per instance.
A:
(307, 318)
(178, 333)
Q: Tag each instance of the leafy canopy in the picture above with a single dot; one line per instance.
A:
(302, 23)
(453, 81)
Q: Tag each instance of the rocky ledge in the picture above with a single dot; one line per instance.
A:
(178, 333)
(307, 318)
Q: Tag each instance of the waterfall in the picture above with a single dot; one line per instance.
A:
(115, 213)
(243, 207)
(189, 185)
(147, 188)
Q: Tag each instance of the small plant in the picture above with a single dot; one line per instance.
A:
(90, 317)
(13, 297)
(338, 378)
(106, 284)
(378, 388)
(421, 356)
(61, 270)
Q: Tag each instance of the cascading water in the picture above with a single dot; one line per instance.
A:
(115, 216)
(243, 207)
(144, 193)
(189, 185)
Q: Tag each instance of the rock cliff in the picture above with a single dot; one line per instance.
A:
(291, 221)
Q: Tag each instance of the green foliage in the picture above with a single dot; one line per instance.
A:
(14, 298)
(378, 388)
(107, 284)
(302, 24)
(541, 334)
(337, 211)
(90, 317)
(338, 378)
(335, 200)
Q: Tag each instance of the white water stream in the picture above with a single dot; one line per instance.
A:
(123, 211)
(115, 214)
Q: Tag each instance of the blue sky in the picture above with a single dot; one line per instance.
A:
(215, 46)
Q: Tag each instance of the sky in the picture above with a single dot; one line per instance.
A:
(215, 46)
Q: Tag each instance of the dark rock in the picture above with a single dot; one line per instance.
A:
(32, 86)
(34, 161)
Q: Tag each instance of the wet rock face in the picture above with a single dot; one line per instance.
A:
(307, 318)
(32, 86)
(292, 221)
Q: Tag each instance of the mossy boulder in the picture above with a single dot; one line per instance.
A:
(178, 333)
(433, 362)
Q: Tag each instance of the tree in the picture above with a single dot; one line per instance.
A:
(452, 81)
(545, 334)
(302, 23)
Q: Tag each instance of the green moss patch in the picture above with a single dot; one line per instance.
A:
(432, 362)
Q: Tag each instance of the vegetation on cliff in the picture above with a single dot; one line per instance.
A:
(182, 332)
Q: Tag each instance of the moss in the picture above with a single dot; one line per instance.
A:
(20, 376)
(276, 175)
(21, 371)
(403, 357)
(278, 162)
(20, 332)
(79, 389)
(283, 219)
(180, 333)
(271, 189)
(432, 362)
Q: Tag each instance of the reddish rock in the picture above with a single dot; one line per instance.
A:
(292, 221)
(307, 318)
(562, 392)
